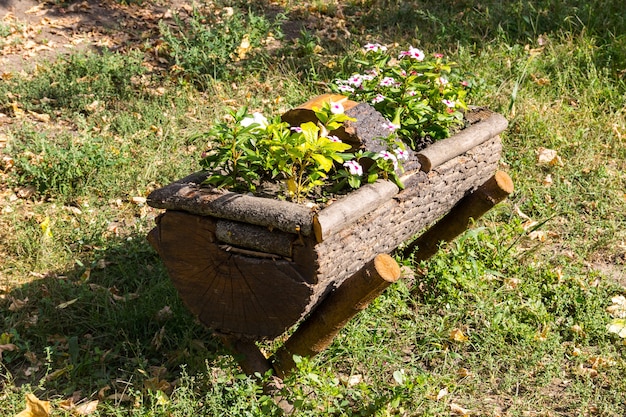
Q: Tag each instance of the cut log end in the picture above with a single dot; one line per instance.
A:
(504, 182)
(387, 267)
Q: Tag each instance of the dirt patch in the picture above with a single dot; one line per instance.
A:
(33, 31)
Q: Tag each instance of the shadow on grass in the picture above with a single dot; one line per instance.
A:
(116, 329)
(115, 324)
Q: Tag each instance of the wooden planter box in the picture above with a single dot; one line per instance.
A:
(253, 267)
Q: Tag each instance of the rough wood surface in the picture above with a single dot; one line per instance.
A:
(258, 238)
(304, 112)
(402, 217)
(346, 211)
(229, 292)
(317, 332)
(457, 220)
(188, 195)
(468, 138)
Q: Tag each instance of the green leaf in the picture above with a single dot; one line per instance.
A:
(325, 163)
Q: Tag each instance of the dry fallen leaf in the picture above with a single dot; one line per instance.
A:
(9, 347)
(67, 304)
(86, 408)
(618, 308)
(458, 336)
(442, 393)
(547, 181)
(459, 411)
(547, 156)
(35, 407)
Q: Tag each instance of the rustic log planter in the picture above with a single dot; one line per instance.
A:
(251, 268)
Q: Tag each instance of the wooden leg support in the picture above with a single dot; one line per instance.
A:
(472, 206)
(317, 332)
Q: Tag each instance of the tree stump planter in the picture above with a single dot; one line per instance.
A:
(252, 268)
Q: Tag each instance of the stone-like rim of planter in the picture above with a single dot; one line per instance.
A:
(188, 195)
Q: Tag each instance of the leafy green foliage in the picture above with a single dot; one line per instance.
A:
(210, 46)
(421, 96)
(77, 82)
(249, 150)
(66, 168)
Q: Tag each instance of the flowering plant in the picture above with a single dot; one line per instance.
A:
(249, 149)
(422, 96)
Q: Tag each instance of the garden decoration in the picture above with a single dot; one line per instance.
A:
(251, 264)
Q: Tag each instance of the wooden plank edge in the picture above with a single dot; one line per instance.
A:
(446, 149)
(347, 210)
(187, 195)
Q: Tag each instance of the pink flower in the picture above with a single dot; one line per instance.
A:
(438, 55)
(449, 103)
(387, 82)
(296, 129)
(378, 99)
(413, 53)
(464, 83)
(442, 81)
(336, 108)
(390, 157)
(390, 126)
(334, 138)
(374, 47)
(353, 167)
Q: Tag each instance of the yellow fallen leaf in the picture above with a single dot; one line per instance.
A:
(244, 47)
(459, 411)
(40, 117)
(458, 336)
(45, 227)
(617, 326)
(35, 407)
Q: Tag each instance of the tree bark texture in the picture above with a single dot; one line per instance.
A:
(189, 195)
(457, 220)
(468, 138)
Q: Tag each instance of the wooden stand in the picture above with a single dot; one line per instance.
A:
(251, 268)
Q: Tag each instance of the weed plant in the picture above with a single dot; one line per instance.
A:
(510, 319)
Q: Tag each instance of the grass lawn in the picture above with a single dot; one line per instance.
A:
(511, 319)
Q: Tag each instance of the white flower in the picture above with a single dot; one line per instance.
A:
(448, 103)
(389, 156)
(442, 81)
(390, 126)
(345, 88)
(374, 47)
(413, 53)
(336, 108)
(257, 118)
(353, 167)
(378, 99)
(401, 154)
(387, 82)
(356, 80)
